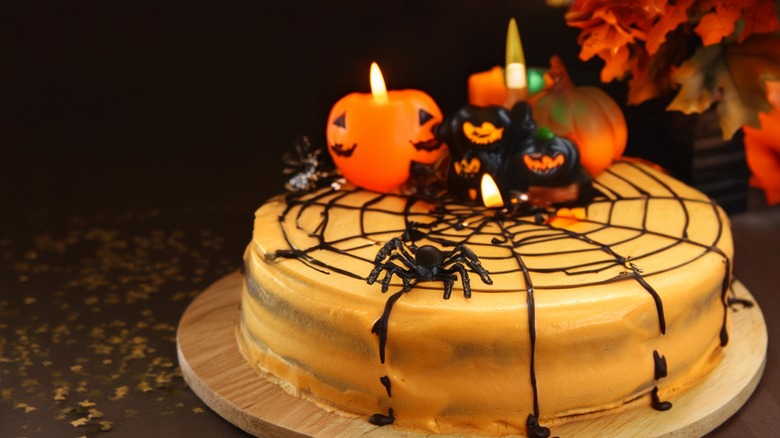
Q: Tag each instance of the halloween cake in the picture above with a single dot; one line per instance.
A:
(446, 316)
(470, 276)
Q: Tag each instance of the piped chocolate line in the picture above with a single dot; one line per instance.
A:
(532, 423)
(660, 365)
(659, 305)
(744, 303)
(382, 419)
(380, 326)
(534, 429)
(385, 380)
(659, 405)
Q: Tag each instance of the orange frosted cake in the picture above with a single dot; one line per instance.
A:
(448, 317)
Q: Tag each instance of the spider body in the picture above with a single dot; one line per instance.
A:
(426, 263)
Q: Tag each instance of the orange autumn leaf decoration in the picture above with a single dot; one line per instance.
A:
(648, 39)
(733, 76)
(609, 30)
(763, 18)
(674, 15)
(720, 21)
(762, 147)
(711, 53)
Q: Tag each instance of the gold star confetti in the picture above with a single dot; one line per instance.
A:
(178, 296)
(143, 386)
(162, 380)
(90, 272)
(61, 393)
(119, 393)
(82, 386)
(80, 422)
(27, 408)
(30, 383)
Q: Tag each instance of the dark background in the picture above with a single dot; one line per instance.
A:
(137, 138)
(103, 99)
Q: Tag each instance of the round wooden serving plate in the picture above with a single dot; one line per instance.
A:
(216, 371)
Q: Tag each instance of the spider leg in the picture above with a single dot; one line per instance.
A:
(399, 271)
(392, 244)
(402, 255)
(465, 255)
(374, 273)
(405, 274)
(464, 278)
(448, 282)
(403, 259)
(391, 269)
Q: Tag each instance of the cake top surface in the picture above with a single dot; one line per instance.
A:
(643, 223)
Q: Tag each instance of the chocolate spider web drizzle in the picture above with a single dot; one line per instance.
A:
(452, 223)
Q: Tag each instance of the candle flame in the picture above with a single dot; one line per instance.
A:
(491, 197)
(515, 74)
(378, 88)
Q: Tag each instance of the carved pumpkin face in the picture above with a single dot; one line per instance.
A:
(483, 134)
(373, 144)
(484, 140)
(467, 168)
(480, 128)
(550, 160)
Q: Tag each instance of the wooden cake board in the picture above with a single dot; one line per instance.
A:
(216, 371)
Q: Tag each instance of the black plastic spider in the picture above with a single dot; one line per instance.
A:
(427, 263)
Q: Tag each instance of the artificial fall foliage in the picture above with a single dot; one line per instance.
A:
(733, 75)
(712, 51)
(762, 147)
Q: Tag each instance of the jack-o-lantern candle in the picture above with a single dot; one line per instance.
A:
(552, 170)
(374, 138)
(485, 140)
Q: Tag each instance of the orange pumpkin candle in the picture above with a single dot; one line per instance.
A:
(374, 138)
(487, 87)
(584, 114)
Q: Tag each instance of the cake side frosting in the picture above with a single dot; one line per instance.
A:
(584, 316)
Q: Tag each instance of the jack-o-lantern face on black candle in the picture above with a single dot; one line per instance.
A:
(550, 160)
(374, 144)
(484, 140)
(475, 128)
(483, 134)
